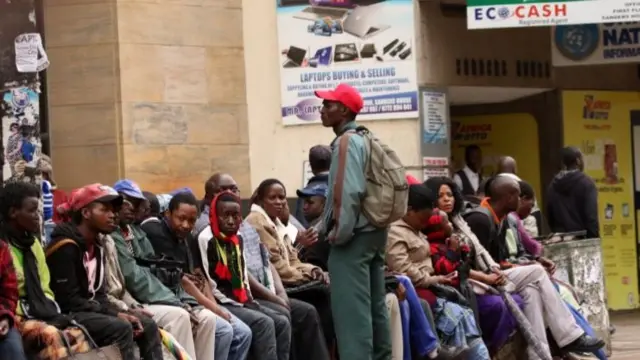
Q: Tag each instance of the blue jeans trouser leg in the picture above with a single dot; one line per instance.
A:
(11, 346)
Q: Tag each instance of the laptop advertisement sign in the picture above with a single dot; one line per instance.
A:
(368, 44)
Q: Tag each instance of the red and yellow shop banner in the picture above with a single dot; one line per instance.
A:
(598, 122)
(515, 135)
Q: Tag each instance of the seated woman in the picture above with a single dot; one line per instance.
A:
(408, 253)
(496, 321)
(268, 206)
(38, 317)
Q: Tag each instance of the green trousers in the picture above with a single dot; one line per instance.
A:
(360, 314)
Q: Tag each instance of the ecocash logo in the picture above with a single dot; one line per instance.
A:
(520, 12)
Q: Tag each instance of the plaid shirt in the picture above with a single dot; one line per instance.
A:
(8, 283)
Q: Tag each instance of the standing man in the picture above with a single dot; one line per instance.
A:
(469, 177)
(507, 165)
(572, 197)
(357, 258)
(319, 161)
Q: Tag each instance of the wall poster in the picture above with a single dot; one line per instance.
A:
(368, 44)
(598, 122)
(20, 112)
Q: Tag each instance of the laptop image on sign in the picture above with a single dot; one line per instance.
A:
(321, 9)
(363, 23)
(295, 57)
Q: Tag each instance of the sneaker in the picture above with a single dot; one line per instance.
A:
(452, 353)
(585, 344)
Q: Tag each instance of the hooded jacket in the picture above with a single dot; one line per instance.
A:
(572, 203)
(69, 279)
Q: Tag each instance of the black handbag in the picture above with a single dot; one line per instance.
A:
(315, 285)
(391, 284)
(167, 270)
(449, 293)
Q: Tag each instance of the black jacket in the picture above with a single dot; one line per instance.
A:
(69, 280)
(572, 203)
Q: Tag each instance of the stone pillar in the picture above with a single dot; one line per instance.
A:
(83, 90)
(170, 84)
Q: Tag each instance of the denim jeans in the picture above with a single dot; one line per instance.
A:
(11, 346)
(233, 339)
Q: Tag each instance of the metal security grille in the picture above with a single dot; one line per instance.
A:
(481, 67)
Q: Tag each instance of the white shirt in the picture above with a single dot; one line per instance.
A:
(473, 177)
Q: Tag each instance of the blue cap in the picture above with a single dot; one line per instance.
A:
(129, 188)
(317, 189)
(181, 190)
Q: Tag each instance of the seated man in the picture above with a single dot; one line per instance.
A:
(168, 309)
(38, 317)
(10, 340)
(313, 250)
(76, 262)
(543, 305)
(264, 282)
(119, 296)
(172, 238)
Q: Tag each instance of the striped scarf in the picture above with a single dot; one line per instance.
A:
(229, 265)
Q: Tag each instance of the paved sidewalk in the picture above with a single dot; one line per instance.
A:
(626, 340)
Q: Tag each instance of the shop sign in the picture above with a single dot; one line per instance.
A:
(495, 14)
(322, 43)
(594, 44)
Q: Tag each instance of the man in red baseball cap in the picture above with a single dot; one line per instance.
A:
(340, 106)
(356, 260)
(76, 263)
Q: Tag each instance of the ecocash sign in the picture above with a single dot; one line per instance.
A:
(521, 15)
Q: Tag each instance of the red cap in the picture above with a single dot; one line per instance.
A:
(92, 193)
(344, 94)
(411, 180)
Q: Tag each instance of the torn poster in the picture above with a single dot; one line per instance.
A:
(30, 54)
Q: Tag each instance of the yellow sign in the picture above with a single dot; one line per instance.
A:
(598, 122)
(494, 134)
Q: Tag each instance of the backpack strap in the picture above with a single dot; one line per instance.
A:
(53, 248)
(343, 145)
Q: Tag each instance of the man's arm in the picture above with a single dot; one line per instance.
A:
(590, 211)
(353, 184)
(191, 289)
(260, 291)
(139, 280)
(481, 228)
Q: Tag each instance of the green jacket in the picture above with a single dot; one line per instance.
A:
(43, 271)
(139, 281)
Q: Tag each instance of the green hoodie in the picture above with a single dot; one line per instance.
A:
(139, 281)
